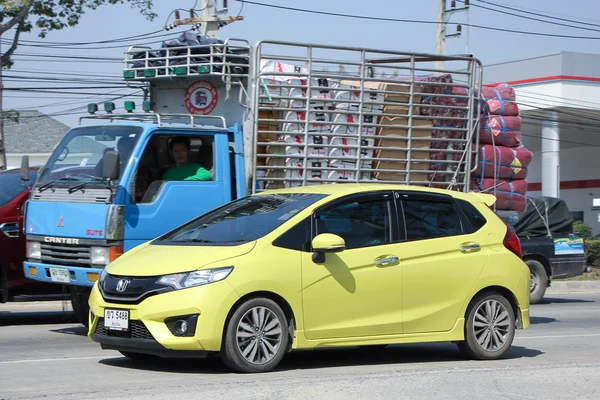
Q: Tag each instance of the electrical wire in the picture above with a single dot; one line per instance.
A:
(365, 17)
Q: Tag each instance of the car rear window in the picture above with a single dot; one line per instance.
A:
(11, 185)
(474, 217)
(426, 219)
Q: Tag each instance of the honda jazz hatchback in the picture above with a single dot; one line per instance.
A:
(318, 266)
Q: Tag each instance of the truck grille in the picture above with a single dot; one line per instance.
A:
(65, 254)
(137, 330)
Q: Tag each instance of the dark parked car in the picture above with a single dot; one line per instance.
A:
(13, 285)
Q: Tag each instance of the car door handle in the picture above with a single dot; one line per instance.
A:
(387, 260)
(10, 229)
(470, 247)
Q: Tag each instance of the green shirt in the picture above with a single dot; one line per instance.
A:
(187, 172)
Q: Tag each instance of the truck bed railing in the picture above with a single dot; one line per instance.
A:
(162, 120)
(327, 114)
(231, 59)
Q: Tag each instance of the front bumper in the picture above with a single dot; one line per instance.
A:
(150, 334)
(79, 276)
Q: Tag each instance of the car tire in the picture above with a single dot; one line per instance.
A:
(139, 356)
(81, 307)
(256, 337)
(538, 281)
(489, 327)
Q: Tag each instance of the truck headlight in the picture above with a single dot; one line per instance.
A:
(99, 255)
(34, 250)
(195, 278)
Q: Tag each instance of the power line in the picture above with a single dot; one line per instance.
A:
(364, 17)
(127, 38)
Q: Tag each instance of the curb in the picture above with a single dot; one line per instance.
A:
(573, 287)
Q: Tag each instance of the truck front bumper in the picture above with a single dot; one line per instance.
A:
(78, 276)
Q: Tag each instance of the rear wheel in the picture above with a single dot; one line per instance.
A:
(256, 337)
(489, 327)
(538, 281)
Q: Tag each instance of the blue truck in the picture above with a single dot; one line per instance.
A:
(224, 119)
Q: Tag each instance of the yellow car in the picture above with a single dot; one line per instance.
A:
(319, 266)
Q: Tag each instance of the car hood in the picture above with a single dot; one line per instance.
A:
(154, 260)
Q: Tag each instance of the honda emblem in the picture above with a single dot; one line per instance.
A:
(122, 285)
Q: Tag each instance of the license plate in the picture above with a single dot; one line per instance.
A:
(60, 275)
(116, 320)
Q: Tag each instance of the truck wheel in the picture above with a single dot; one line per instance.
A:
(256, 337)
(81, 308)
(489, 327)
(538, 281)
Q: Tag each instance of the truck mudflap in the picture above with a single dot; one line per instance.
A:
(68, 275)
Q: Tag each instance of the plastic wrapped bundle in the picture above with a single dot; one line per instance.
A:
(502, 162)
(501, 131)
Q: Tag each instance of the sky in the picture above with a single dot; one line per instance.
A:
(263, 23)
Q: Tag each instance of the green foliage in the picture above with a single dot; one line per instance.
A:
(582, 230)
(593, 252)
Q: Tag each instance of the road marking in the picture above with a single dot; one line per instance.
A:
(33, 360)
(559, 336)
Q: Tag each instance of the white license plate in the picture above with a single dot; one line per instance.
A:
(60, 275)
(116, 320)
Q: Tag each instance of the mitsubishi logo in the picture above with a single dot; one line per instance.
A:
(122, 285)
(60, 224)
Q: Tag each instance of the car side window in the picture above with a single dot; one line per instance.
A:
(428, 219)
(476, 220)
(359, 223)
(296, 238)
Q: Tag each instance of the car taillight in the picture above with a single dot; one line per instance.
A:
(512, 242)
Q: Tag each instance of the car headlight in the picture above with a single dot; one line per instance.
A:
(103, 276)
(34, 250)
(99, 255)
(195, 278)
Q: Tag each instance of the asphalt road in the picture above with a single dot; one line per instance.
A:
(45, 354)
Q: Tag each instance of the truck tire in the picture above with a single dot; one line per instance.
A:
(538, 281)
(81, 308)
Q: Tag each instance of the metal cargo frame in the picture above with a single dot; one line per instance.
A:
(302, 116)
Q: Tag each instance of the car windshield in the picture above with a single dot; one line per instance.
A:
(241, 221)
(79, 156)
(11, 185)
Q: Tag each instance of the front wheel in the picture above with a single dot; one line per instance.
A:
(489, 328)
(538, 281)
(256, 337)
(81, 307)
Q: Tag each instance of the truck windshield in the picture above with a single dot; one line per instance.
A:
(79, 156)
(241, 221)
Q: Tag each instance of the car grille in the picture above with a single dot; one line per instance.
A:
(65, 254)
(137, 330)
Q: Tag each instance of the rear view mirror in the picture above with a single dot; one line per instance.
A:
(25, 168)
(110, 167)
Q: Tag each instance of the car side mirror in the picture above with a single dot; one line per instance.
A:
(110, 167)
(25, 168)
(326, 243)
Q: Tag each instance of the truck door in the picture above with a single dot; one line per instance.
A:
(167, 187)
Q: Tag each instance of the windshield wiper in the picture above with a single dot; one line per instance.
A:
(84, 184)
(52, 182)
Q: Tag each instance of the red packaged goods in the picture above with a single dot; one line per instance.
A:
(499, 92)
(488, 185)
(502, 162)
(510, 201)
(491, 103)
(501, 131)
(501, 107)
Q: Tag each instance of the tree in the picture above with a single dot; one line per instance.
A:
(51, 15)
(582, 230)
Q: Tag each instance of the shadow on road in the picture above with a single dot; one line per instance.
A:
(324, 358)
(77, 330)
(8, 318)
(541, 320)
(560, 300)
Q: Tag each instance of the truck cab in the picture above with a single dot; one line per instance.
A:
(78, 221)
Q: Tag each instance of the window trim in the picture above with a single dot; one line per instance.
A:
(401, 196)
(387, 195)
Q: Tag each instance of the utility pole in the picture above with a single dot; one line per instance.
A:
(210, 22)
(443, 17)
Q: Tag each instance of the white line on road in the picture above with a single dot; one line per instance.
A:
(558, 336)
(33, 360)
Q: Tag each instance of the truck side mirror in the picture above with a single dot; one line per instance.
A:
(25, 168)
(110, 167)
